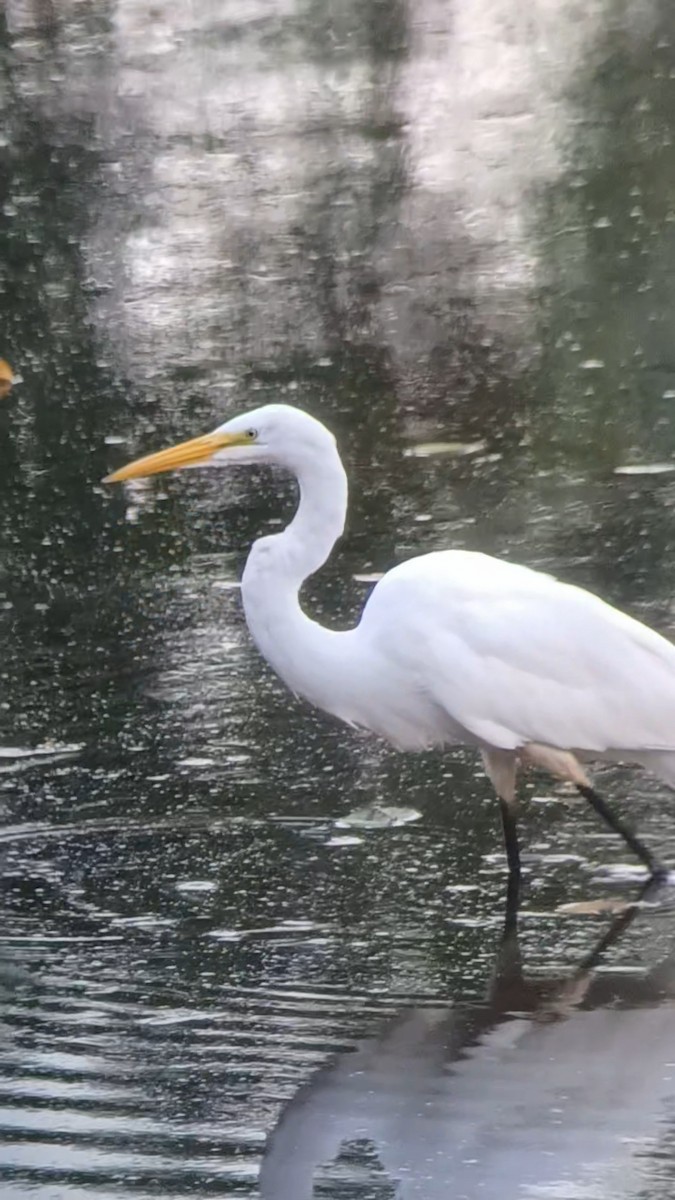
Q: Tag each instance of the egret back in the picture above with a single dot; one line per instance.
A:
(515, 656)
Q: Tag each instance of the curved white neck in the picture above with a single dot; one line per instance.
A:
(295, 646)
(319, 519)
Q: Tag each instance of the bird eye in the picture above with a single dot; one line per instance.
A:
(251, 434)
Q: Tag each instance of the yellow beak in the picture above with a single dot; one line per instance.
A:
(185, 454)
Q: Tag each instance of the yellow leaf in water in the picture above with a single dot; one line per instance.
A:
(6, 378)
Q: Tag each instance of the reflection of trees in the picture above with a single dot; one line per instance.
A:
(604, 396)
(258, 221)
(607, 242)
(71, 610)
(271, 218)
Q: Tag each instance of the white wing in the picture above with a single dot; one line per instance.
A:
(513, 655)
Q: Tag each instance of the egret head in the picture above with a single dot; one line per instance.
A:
(275, 433)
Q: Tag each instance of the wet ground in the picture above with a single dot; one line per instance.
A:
(448, 231)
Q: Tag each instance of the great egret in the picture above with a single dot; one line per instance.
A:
(452, 646)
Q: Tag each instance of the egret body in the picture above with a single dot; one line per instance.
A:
(452, 646)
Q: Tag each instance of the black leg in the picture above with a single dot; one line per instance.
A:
(510, 837)
(652, 864)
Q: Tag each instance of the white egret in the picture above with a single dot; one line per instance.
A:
(452, 646)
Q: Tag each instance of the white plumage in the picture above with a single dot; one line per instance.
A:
(515, 656)
(452, 646)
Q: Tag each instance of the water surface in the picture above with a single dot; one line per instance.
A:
(427, 224)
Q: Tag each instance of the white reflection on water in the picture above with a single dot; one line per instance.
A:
(552, 1088)
(246, 146)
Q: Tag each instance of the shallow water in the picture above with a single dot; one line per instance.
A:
(449, 232)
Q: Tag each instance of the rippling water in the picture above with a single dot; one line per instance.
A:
(244, 951)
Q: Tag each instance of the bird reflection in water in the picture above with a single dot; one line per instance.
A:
(552, 1087)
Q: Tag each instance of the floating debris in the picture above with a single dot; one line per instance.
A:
(657, 468)
(196, 885)
(458, 449)
(46, 750)
(627, 873)
(373, 577)
(561, 860)
(591, 364)
(378, 816)
(21, 758)
(144, 921)
(592, 908)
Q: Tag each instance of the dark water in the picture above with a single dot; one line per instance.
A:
(426, 223)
